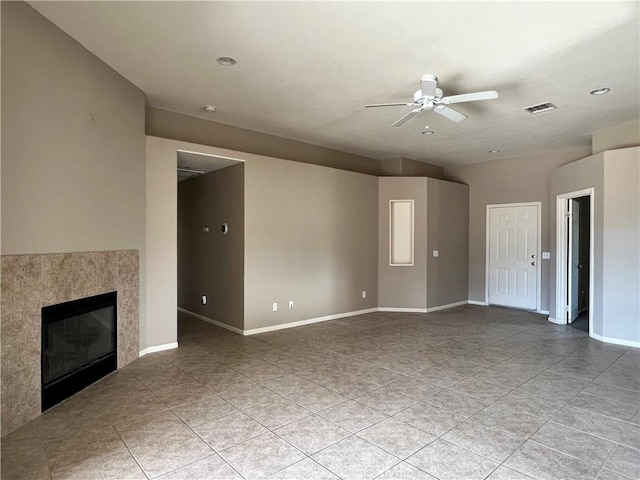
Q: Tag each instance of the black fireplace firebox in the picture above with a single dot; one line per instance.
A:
(78, 345)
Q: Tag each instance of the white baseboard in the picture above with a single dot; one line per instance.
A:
(299, 323)
(449, 305)
(157, 348)
(543, 312)
(402, 310)
(212, 321)
(616, 341)
(271, 328)
(556, 321)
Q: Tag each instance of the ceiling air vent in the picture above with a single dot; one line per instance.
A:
(541, 107)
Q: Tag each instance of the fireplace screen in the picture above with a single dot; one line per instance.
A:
(78, 345)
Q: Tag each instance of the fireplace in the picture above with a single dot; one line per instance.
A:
(78, 345)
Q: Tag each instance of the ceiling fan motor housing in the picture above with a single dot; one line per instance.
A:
(420, 99)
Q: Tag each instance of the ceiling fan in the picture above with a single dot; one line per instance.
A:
(430, 97)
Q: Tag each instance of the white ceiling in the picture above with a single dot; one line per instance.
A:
(306, 69)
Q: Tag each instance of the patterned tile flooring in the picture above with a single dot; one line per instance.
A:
(466, 393)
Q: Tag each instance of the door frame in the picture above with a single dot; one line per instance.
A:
(562, 254)
(487, 278)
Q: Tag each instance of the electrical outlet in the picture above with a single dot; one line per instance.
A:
(275, 306)
(364, 294)
(204, 299)
(436, 253)
(290, 304)
(546, 255)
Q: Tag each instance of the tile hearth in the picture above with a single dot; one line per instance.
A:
(471, 392)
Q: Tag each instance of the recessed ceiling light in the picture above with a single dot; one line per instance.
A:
(226, 61)
(210, 108)
(600, 91)
(428, 132)
(494, 151)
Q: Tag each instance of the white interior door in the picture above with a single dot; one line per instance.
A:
(573, 258)
(513, 248)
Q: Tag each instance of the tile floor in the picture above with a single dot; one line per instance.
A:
(466, 393)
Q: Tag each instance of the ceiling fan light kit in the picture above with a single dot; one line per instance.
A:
(430, 97)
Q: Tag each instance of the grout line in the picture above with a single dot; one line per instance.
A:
(130, 452)
(343, 359)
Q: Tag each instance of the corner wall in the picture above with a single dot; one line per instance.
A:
(447, 232)
(403, 287)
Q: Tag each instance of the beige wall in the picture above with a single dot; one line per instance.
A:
(210, 263)
(412, 168)
(618, 136)
(160, 296)
(511, 180)
(402, 287)
(72, 144)
(162, 123)
(391, 167)
(311, 237)
(447, 232)
(621, 248)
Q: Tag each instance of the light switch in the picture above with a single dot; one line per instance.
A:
(546, 255)
(436, 253)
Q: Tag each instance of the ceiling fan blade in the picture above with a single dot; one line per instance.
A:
(388, 105)
(470, 97)
(407, 117)
(428, 85)
(450, 113)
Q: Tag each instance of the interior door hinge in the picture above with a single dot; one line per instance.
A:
(567, 214)
(567, 309)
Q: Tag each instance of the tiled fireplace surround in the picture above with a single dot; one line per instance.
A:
(30, 282)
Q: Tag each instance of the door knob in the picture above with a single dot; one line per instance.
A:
(533, 264)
